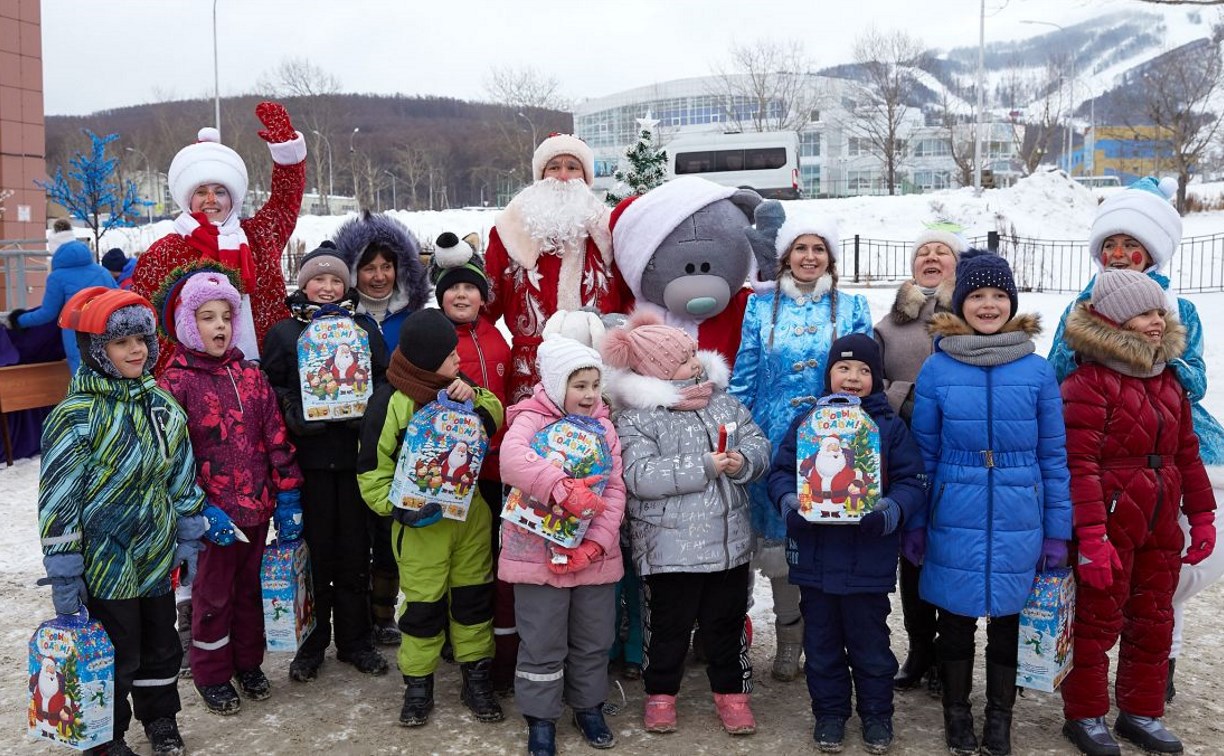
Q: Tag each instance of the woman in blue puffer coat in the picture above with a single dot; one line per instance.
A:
(779, 372)
(72, 269)
(988, 417)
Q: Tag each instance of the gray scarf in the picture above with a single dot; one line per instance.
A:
(1126, 368)
(988, 351)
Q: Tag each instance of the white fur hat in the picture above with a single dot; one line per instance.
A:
(563, 144)
(558, 358)
(798, 224)
(944, 235)
(1144, 212)
(206, 162)
(640, 223)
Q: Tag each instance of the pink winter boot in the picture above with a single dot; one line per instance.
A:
(735, 713)
(660, 713)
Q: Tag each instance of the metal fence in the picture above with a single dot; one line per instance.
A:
(1049, 265)
(18, 259)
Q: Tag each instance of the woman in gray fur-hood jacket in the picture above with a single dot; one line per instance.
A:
(683, 517)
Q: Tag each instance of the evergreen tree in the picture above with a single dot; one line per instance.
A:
(92, 192)
(647, 165)
(74, 728)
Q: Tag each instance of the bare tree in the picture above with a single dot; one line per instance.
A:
(1173, 95)
(310, 90)
(880, 115)
(524, 87)
(767, 86)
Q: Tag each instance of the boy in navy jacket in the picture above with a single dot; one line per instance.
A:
(845, 572)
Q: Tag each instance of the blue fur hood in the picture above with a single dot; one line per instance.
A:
(357, 234)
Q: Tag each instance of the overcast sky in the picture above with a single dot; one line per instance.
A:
(99, 55)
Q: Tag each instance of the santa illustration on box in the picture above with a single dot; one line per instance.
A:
(832, 478)
(52, 707)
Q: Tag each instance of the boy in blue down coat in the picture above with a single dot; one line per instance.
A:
(845, 572)
(989, 419)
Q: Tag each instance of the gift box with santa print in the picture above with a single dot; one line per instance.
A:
(444, 447)
(334, 366)
(1046, 631)
(577, 445)
(288, 600)
(838, 462)
(72, 682)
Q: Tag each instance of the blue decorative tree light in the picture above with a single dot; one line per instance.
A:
(92, 192)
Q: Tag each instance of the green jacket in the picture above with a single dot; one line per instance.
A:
(382, 433)
(117, 473)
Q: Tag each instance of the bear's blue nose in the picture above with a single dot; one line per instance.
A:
(700, 305)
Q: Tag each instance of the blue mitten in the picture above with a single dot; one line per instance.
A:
(882, 519)
(288, 515)
(187, 553)
(192, 527)
(221, 529)
(789, 501)
(418, 518)
(64, 572)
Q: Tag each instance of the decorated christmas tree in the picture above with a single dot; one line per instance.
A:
(74, 727)
(647, 164)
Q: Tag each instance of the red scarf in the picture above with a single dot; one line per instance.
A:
(205, 239)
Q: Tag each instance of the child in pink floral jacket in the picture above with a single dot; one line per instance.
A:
(245, 465)
(562, 660)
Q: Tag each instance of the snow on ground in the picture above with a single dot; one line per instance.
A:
(345, 712)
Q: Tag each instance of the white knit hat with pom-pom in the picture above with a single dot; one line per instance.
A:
(583, 326)
(1142, 211)
(558, 358)
(206, 162)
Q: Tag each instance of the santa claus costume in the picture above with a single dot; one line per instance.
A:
(549, 250)
(252, 246)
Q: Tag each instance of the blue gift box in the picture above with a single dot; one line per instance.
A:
(1046, 623)
(72, 682)
(288, 603)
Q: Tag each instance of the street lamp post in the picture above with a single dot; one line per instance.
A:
(394, 203)
(331, 184)
(534, 140)
(353, 159)
(216, 74)
(981, 101)
(148, 178)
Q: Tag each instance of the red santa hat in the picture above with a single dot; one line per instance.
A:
(640, 223)
(206, 162)
(563, 144)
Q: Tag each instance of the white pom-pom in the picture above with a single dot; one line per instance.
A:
(1168, 186)
(453, 257)
(208, 134)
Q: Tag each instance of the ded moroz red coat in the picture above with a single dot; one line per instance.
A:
(1133, 457)
(528, 285)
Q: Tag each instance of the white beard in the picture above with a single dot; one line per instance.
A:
(344, 360)
(48, 685)
(456, 459)
(557, 213)
(829, 464)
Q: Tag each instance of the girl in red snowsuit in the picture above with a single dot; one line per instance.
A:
(1133, 456)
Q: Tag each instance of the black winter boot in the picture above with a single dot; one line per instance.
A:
(541, 737)
(1170, 691)
(163, 735)
(1149, 733)
(958, 716)
(477, 692)
(918, 662)
(1000, 698)
(220, 699)
(595, 731)
(418, 700)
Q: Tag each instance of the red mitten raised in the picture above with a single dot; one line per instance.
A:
(1202, 537)
(276, 120)
(1098, 559)
(577, 558)
(580, 500)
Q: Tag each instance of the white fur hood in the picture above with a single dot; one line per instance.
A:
(629, 390)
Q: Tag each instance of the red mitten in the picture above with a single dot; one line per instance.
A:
(1202, 537)
(580, 500)
(577, 558)
(274, 116)
(1098, 559)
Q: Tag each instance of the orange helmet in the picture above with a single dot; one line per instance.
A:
(88, 310)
